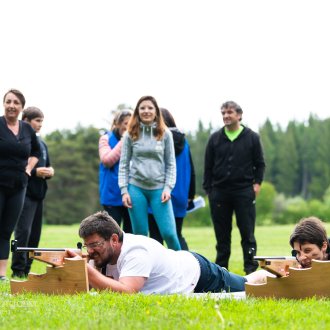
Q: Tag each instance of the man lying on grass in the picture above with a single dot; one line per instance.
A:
(133, 263)
(309, 240)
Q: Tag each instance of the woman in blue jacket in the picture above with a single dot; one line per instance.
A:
(184, 190)
(109, 151)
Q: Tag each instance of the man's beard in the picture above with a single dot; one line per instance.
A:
(100, 262)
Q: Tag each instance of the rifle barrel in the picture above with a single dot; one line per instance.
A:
(273, 257)
(30, 249)
(15, 248)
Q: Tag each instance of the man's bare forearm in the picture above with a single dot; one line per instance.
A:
(125, 285)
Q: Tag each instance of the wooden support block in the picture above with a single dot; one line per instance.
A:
(278, 267)
(299, 284)
(70, 278)
(54, 258)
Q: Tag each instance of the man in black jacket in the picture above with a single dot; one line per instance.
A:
(233, 172)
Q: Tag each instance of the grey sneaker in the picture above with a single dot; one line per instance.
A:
(3, 279)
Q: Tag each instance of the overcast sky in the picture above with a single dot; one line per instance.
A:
(78, 59)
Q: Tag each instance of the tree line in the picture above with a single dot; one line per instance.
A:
(297, 168)
(298, 158)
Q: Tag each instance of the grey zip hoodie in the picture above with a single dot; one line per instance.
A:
(147, 163)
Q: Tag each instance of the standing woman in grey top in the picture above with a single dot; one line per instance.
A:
(147, 171)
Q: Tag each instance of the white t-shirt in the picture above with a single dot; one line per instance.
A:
(167, 271)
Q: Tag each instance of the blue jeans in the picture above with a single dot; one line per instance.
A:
(163, 213)
(216, 279)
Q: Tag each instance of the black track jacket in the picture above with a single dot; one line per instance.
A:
(233, 165)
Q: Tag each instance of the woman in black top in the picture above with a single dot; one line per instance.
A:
(19, 153)
(28, 227)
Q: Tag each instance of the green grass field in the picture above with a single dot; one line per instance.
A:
(107, 310)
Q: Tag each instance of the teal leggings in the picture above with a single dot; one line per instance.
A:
(163, 213)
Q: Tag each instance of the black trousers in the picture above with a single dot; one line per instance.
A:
(11, 203)
(223, 204)
(119, 213)
(27, 234)
(155, 233)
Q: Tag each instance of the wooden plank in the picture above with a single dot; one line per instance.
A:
(278, 267)
(70, 278)
(299, 284)
(52, 257)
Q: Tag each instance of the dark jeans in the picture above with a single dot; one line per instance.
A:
(217, 279)
(11, 203)
(155, 233)
(119, 213)
(223, 204)
(27, 234)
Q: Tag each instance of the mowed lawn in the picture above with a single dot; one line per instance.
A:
(106, 310)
